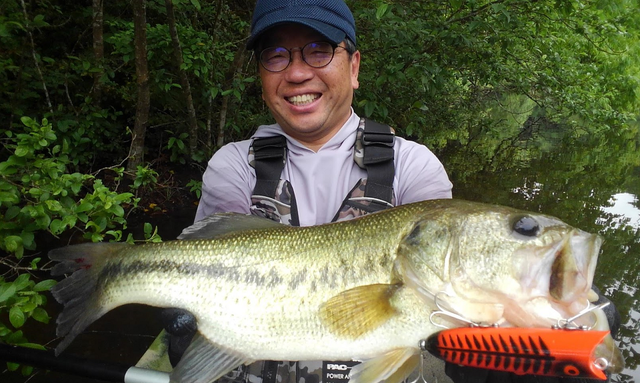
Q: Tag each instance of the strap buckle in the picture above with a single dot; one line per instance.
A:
(270, 148)
(378, 138)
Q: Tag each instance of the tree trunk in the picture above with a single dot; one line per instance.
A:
(209, 135)
(35, 58)
(184, 80)
(98, 49)
(238, 61)
(136, 152)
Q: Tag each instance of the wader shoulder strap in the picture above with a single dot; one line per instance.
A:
(378, 140)
(269, 155)
(272, 197)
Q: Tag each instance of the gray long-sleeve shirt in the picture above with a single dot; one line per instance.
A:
(321, 180)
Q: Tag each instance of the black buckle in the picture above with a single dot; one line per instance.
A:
(270, 147)
(382, 139)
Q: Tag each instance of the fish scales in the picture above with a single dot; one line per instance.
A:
(238, 275)
(362, 289)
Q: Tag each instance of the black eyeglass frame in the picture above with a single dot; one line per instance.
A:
(301, 49)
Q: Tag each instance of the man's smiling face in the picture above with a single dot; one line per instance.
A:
(310, 104)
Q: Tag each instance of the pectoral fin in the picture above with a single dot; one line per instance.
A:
(357, 311)
(392, 367)
(204, 362)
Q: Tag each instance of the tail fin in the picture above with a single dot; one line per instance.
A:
(78, 292)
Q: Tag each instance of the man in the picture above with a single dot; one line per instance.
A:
(314, 165)
(309, 69)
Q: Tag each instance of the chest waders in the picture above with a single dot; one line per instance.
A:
(274, 198)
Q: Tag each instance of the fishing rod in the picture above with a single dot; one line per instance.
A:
(106, 371)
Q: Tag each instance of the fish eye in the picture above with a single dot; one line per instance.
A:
(527, 226)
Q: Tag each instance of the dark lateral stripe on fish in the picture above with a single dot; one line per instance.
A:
(212, 270)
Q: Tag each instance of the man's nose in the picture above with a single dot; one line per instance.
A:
(298, 69)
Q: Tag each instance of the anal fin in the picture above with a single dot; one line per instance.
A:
(392, 367)
(203, 362)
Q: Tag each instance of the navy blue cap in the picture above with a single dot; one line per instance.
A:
(331, 18)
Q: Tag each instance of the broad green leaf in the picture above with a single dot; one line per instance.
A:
(7, 290)
(21, 151)
(11, 213)
(27, 370)
(16, 317)
(382, 9)
(53, 205)
(28, 307)
(84, 206)
(455, 4)
(12, 243)
(22, 281)
(28, 239)
(56, 226)
(44, 285)
(40, 315)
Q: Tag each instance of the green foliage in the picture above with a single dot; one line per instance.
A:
(38, 194)
(20, 300)
(195, 186)
(145, 177)
(434, 69)
(176, 145)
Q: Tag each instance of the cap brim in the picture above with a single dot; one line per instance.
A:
(330, 32)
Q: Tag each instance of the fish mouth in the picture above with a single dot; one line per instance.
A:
(556, 280)
(573, 267)
(570, 282)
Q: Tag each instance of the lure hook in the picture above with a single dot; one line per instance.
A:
(569, 324)
(446, 313)
(421, 367)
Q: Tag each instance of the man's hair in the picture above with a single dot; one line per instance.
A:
(350, 47)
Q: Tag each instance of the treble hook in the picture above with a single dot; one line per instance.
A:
(421, 367)
(568, 324)
(446, 313)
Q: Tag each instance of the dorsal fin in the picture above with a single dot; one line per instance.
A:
(219, 224)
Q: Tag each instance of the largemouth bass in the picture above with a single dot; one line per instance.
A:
(362, 289)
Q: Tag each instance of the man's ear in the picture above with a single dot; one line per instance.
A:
(355, 69)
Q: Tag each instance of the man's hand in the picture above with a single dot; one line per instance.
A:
(181, 326)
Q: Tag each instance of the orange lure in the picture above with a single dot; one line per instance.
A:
(536, 351)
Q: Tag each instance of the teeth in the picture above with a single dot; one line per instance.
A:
(302, 99)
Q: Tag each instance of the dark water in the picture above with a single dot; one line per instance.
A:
(593, 184)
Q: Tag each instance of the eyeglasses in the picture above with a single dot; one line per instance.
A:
(316, 54)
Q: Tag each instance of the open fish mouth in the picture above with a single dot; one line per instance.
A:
(570, 281)
(562, 271)
(573, 267)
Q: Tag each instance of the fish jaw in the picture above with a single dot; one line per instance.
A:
(531, 279)
(556, 279)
